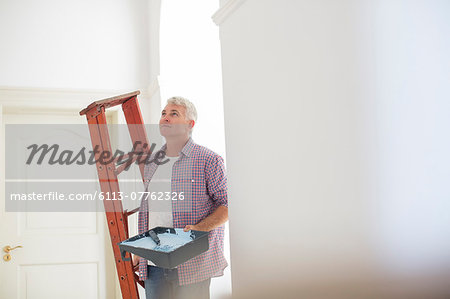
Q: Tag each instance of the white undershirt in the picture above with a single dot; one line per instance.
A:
(163, 177)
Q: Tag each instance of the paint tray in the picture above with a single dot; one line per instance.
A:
(197, 244)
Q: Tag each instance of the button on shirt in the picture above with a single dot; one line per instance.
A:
(199, 182)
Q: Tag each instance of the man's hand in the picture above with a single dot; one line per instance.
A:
(215, 219)
(135, 259)
(193, 227)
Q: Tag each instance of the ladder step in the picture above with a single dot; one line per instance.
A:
(111, 102)
(127, 213)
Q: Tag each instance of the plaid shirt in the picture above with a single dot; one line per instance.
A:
(200, 174)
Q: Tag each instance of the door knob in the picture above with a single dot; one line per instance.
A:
(8, 248)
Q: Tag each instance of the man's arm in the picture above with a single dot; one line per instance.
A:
(216, 185)
(215, 219)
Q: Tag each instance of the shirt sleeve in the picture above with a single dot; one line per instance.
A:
(216, 181)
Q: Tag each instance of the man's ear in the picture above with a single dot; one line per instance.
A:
(191, 124)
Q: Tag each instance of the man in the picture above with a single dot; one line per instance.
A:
(197, 175)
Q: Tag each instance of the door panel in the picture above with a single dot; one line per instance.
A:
(63, 254)
(67, 281)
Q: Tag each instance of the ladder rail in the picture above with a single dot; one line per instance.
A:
(136, 127)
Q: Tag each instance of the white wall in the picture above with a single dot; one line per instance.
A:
(336, 121)
(103, 48)
(74, 44)
(83, 50)
(412, 75)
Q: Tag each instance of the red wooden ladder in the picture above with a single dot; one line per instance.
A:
(107, 173)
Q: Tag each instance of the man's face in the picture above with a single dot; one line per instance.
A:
(173, 122)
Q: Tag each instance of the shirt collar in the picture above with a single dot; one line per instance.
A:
(187, 149)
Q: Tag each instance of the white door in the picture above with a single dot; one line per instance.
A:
(64, 254)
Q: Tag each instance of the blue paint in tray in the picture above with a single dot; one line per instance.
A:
(168, 241)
